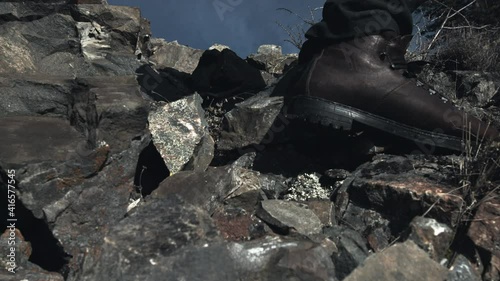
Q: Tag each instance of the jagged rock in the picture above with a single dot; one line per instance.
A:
(351, 250)
(106, 195)
(56, 38)
(180, 133)
(202, 189)
(155, 257)
(31, 95)
(404, 187)
(286, 215)
(324, 209)
(81, 197)
(236, 224)
(370, 223)
(484, 232)
(252, 121)
(12, 238)
(493, 272)
(166, 85)
(431, 236)
(231, 183)
(15, 259)
(224, 74)
(462, 270)
(138, 247)
(404, 261)
(271, 59)
(219, 47)
(269, 79)
(478, 87)
(122, 112)
(174, 55)
(107, 110)
(46, 188)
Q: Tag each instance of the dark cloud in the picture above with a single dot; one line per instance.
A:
(241, 24)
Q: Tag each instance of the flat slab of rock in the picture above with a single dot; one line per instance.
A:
(28, 139)
(401, 262)
(394, 183)
(286, 215)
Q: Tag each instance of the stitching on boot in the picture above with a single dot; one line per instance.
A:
(309, 75)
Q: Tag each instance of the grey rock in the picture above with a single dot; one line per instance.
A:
(414, 183)
(351, 250)
(55, 139)
(253, 121)
(286, 215)
(32, 95)
(210, 188)
(273, 185)
(462, 270)
(179, 131)
(484, 230)
(268, 78)
(324, 209)
(121, 111)
(74, 198)
(155, 259)
(202, 155)
(101, 201)
(166, 85)
(399, 263)
(237, 224)
(271, 59)
(373, 225)
(174, 55)
(138, 246)
(54, 39)
(15, 265)
(431, 236)
(107, 109)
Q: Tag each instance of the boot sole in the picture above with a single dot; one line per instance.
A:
(343, 117)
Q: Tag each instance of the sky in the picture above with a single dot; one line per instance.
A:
(243, 25)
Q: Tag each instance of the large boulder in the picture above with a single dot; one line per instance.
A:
(224, 74)
(174, 55)
(400, 262)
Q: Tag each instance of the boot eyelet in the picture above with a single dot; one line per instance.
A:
(383, 56)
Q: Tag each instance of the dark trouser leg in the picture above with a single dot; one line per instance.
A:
(345, 19)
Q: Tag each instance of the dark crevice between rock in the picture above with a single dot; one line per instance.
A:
(84, 101)
(46, 250)
(150, 171)
(462, 244)
(11, 17)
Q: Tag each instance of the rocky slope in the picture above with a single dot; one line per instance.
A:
(133, 158)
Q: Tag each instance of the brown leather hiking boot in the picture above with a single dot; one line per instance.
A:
(365, 80)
